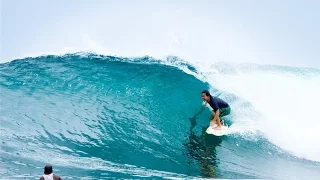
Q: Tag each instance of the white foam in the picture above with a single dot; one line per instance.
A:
(285, 106)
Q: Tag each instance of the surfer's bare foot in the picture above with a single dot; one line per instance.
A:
(217, 128)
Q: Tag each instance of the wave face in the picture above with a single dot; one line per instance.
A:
(97, 117)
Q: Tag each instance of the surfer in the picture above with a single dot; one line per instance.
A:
(48, 174)
(219, 107)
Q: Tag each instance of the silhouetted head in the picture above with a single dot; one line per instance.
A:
(205, 95)
(48, 169)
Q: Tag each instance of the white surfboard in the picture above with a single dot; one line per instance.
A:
(217, 132)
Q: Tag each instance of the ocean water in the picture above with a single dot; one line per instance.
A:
(105, 117)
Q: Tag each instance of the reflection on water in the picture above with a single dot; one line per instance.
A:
(202, 148)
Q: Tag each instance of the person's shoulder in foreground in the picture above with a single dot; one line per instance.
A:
(48, 174)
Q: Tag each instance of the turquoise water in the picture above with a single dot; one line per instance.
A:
(100, 117)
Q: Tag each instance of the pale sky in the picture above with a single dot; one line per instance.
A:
(268, 32)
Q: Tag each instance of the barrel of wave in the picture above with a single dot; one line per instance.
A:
(280, 97)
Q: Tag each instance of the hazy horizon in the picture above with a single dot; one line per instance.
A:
(280, 33)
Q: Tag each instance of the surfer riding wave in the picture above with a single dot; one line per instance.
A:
(220, 108)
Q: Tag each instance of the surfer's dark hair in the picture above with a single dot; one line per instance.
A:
(206, 92)
(48, 169)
